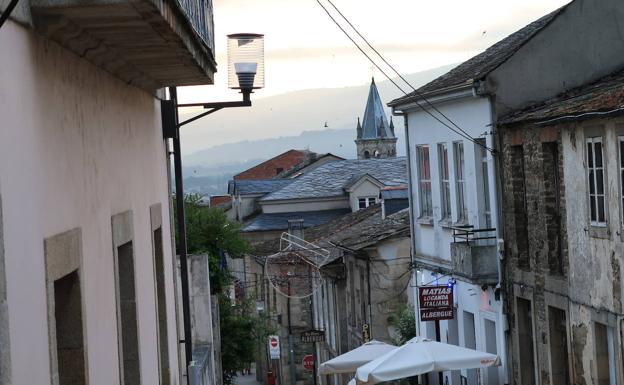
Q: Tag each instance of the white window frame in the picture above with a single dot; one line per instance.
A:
(368, 201)
(592, 180)
(445, 181)
(425, 198)
(481, 144)
(460, 181)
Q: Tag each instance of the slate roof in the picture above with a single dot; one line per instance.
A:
(481, 65)
(604, 97)
(279, 221)
(354, 231)
(375, 123)
(261, 186)
(330, 179)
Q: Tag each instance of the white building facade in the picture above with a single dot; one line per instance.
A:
(453, 197)
(87, 289)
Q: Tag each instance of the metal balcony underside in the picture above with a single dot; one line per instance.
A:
(147, 43)
(474, 254)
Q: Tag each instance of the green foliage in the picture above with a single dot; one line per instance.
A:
(209, 231)
(405, 323)
(242, 331)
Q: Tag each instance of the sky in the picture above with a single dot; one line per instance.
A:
(304, 49)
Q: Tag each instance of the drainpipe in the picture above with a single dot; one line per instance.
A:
(497, 145)
(182, 250)
(411, 214)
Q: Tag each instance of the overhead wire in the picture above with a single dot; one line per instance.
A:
(395, 71)
(458, 130)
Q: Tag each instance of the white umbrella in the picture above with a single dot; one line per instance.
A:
(351, 360)
(419, 356)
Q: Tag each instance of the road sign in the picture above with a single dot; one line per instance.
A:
(436, 303)
(274, 347)
(308, 362)
(313, 335)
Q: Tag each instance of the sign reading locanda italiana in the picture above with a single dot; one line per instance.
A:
(436, 303)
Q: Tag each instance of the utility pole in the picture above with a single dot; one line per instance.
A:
(291, 347)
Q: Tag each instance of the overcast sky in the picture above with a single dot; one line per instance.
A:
(304, 49)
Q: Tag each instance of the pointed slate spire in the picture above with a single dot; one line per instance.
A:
(359, 129)
(391, 126)
(374, 116)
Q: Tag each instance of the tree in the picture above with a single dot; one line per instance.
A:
(405, 323)
(208, 231)
(242, 331)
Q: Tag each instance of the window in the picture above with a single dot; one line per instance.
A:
(445, 188)
(460, 181)
(551, 213)
(161, 306)
(482, 158)
(525, 341)
(518, 199)
(424, 181)
(605, 364)
(470, 342)
(558, 330)
(127, 316)
(63, 254)
(365, 202)
(279, 170)
(595, 174)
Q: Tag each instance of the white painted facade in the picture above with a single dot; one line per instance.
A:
(77, 147)
(433, 234)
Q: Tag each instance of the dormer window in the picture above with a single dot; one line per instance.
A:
(365, 202)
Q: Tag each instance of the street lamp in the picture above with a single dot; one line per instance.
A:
(246, 62)
(246, 67)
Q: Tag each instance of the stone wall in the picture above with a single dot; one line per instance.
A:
(567, 269)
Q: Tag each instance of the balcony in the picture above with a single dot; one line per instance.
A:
(474, 255)
(147, 43)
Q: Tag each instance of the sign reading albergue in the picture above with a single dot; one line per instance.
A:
(436, 303)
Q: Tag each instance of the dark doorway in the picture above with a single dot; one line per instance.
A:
(69, 339)
(129, 345)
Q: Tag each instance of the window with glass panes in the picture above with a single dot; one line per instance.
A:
(424, 181)
(365, 202)
(595, 176)
(445, 188)
(460, 182)
(482, 150)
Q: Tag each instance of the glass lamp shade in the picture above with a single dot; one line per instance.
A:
(246, 61)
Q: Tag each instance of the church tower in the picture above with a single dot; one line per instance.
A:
(375, 137)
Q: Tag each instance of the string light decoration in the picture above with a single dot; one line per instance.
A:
(294, 272)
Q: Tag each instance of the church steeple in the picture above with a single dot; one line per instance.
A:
(375, 137)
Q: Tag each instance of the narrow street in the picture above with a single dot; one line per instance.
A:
(247, 379)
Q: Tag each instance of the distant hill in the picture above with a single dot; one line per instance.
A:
(279, 123)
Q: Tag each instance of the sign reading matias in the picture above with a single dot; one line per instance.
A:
(436, 303)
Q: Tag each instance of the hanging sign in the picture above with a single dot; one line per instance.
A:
(436, 303)
(365, 333)
(274, 347)
(313, 336)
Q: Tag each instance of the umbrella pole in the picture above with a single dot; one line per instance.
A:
(437, 332)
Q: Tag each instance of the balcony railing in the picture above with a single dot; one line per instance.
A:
(149, 44)
(199, 14)
(469, 235)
